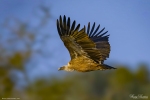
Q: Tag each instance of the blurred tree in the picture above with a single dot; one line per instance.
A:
(6, 85)
(142, 74)
(100, 85)
(121, 78)
(19, 42)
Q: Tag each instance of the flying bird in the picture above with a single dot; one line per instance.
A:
(88, 48)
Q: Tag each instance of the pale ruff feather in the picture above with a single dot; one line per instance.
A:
(68, 69)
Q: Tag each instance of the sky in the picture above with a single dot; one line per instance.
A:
(127, 22)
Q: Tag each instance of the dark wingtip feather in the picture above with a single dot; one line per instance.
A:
(92, 29)
(108, 67)
(60, 18)
(88, 29)
(103, 34)
(58, 28)
(61, 24)
(84, 28)
(68, 26)
(73, 25)
(96, 30)
(77, 28)
(64, 20)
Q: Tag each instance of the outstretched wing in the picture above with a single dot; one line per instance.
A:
(101, 41)
(80, 43)
(77, 42)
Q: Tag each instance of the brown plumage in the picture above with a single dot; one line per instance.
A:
(88, 49)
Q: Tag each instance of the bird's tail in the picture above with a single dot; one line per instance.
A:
(104, 67)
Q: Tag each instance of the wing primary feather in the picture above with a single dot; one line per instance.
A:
(84, 28)
(100, 32)
(103, 34)
(61, 25)
(92, 29)
(107, 35)
(58, 28)
(77, 28)
(88, 29)
(75, 32)
(73, 25)
(64, 25)
(68, 26)
(95, 30)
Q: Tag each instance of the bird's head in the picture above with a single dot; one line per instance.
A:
(66, 68)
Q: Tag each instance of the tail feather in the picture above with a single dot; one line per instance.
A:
(105, 67)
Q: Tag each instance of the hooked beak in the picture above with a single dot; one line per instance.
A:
(61, 68)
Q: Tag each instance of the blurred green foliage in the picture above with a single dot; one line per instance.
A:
(116, 84)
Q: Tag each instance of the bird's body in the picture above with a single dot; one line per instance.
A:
(84, 64)
(88, 50)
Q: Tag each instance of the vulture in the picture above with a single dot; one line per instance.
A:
(88, 48)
